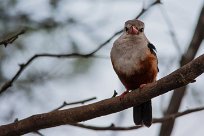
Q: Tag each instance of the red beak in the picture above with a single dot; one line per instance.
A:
(133, 30)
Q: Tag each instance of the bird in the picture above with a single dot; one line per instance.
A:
(135, 62)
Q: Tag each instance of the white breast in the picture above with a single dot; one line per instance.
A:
(127, 54)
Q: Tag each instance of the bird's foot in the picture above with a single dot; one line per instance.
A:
(142, 86)
(123, 94)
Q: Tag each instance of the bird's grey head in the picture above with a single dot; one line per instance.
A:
(134, 27)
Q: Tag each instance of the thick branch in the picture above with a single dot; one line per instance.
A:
(179, 93)
(112, 127)
(178, 78)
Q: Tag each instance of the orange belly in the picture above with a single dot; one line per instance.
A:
(146, 74)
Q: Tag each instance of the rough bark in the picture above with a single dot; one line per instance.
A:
(178, 78)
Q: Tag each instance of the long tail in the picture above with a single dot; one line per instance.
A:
(142, 114)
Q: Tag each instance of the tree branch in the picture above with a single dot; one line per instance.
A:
(22, 67)
(112, 127)
(9, 83)
(171, 29)
(11, 38)
(38, 133)
(73, 103)
(178, 94)
(178, 78)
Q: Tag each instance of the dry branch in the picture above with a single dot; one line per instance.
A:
(112, 127)
(22, 67)
(178, 78)
(178, 94)
(9, 83)
(73, 103)
(38, 133)
(171, 29)
(11, 38)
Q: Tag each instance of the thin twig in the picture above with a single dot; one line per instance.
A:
(112, 127)
(11, 38)
(38, 133)
(73, 103)
(120, 31)
(9, 83)
(114, 94)
(171, 29)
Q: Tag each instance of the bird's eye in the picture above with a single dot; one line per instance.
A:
(141, 29)
(126, 29)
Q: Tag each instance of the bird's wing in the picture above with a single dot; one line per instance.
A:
(153, 50)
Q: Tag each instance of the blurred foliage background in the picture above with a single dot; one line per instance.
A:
(65, 26)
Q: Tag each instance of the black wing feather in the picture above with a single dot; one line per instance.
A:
(153, 50)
